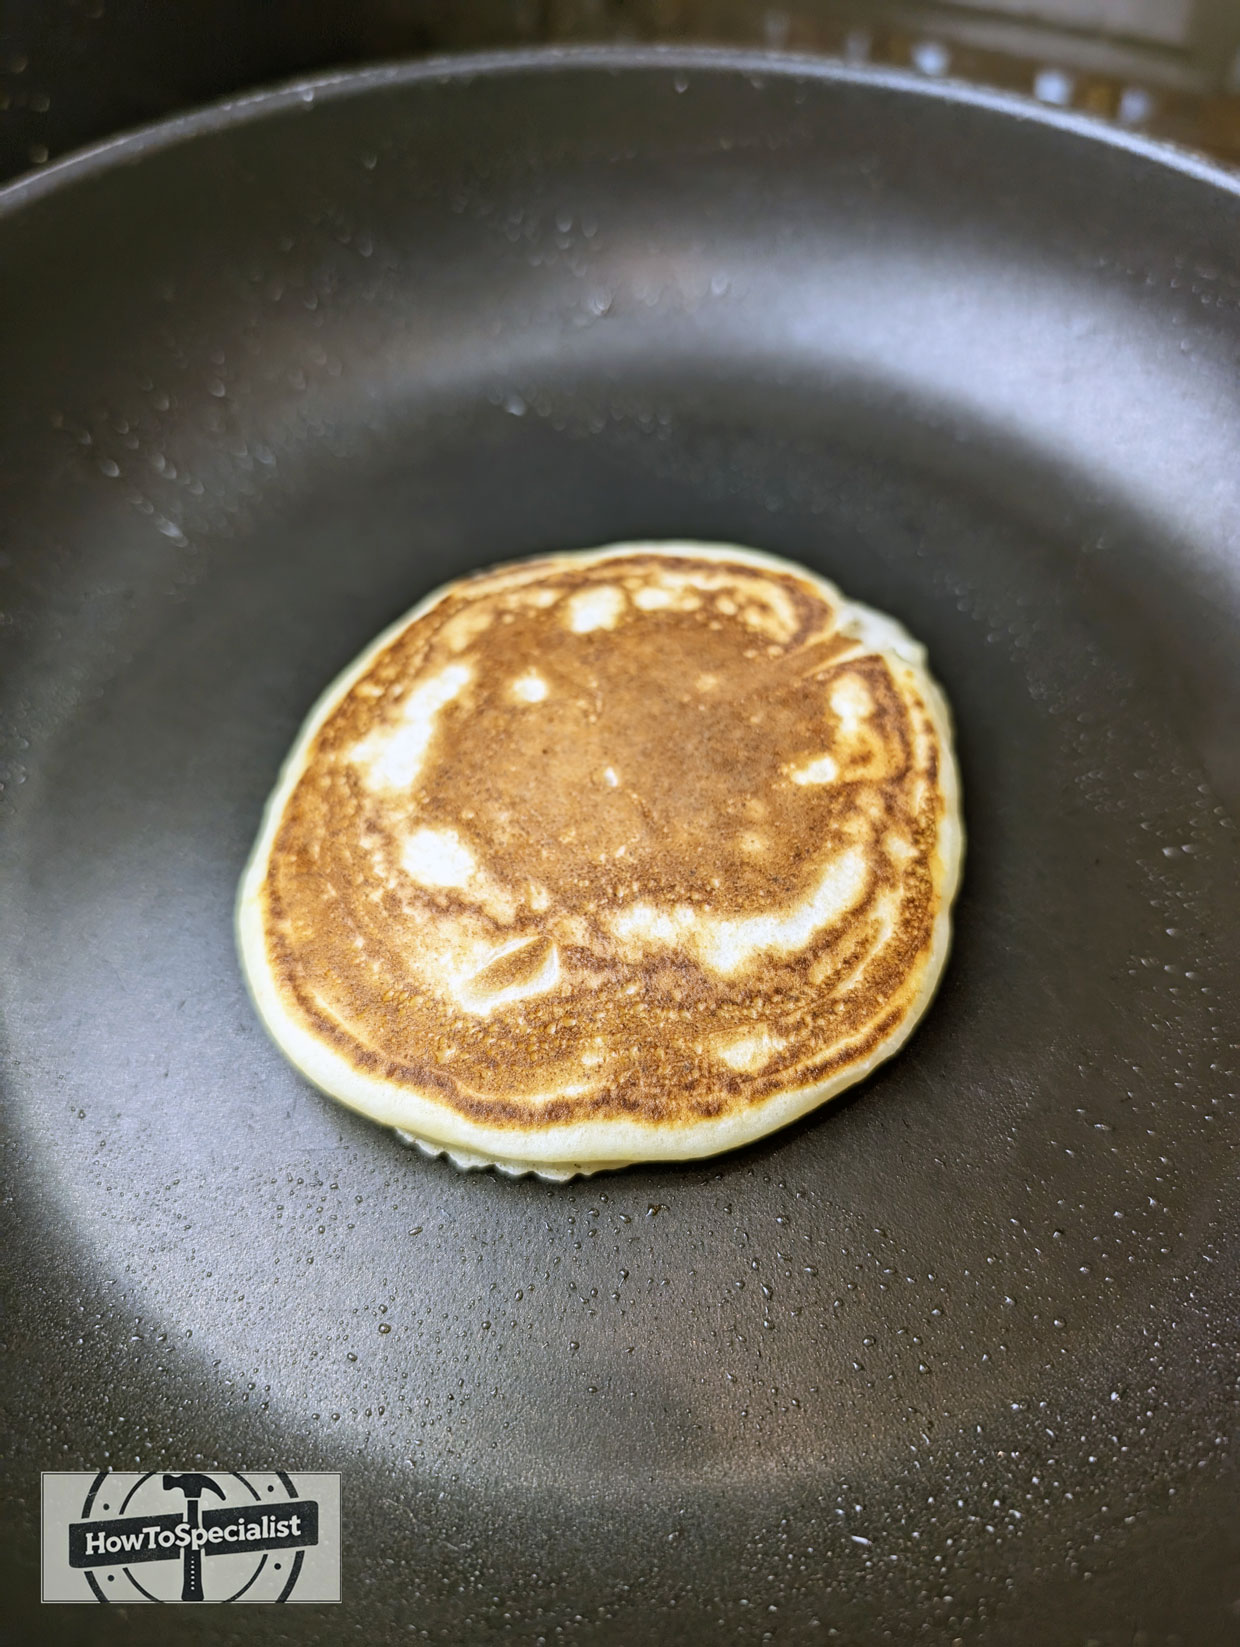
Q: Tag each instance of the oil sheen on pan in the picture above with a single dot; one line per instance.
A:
(627, 855)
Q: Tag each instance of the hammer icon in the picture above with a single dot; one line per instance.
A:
(193, 1486)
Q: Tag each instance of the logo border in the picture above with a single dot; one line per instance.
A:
(287, 1595)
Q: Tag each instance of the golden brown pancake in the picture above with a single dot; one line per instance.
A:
(635, 854)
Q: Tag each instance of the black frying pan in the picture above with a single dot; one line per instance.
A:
(956, 1358)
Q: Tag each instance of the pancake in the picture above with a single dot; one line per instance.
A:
(628, 855)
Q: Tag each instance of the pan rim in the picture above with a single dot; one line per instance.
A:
(240, 109)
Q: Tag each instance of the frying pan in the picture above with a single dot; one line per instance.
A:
(953, 1360)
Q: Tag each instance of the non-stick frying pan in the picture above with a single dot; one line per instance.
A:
(956, 1358)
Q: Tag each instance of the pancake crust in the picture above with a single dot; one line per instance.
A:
(633, 854)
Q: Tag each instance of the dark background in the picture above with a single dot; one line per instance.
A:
(74, 71)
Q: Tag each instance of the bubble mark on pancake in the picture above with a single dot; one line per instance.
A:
(437, 857)
(751, 1053)
(527, 966)
(391, 756)
(529, 688)
(599, 608)
(821, 769)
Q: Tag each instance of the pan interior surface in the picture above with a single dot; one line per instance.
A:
(958, 1352)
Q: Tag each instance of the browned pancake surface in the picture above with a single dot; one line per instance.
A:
(642, 836)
